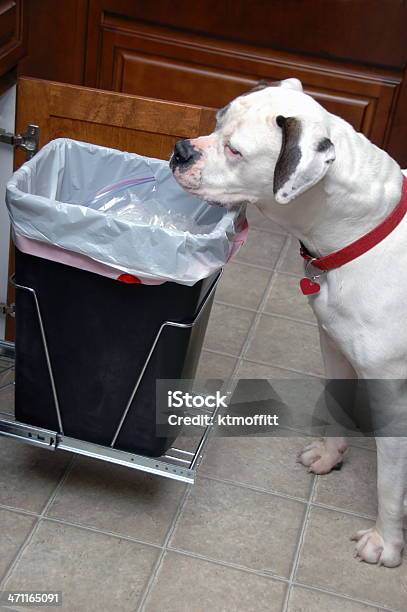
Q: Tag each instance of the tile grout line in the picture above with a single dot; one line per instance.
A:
(242, 485)
(230, 305)
(277, 315)
(270, 268)
(227, 564)
(283, 495)
(295, 275)
(258, 362)
(156, 569)
(366, 602)
(251, 265)
(361, 515)
(28, 539)
(279, 367)
(21, 511)
(112, 534)
(221, 353)
(270, 313)
(233, 262)
(299, 546)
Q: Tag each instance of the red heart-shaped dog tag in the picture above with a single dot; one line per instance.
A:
(308, 287)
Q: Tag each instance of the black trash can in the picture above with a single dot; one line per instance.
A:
(99, 333)
(79, 364)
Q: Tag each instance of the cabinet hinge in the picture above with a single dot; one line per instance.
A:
(27, 141)
(7, 309)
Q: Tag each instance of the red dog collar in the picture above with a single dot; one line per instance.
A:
(356, 248)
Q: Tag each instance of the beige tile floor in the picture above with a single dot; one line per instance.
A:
(256, 533)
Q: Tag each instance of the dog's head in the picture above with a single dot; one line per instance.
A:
(272, 140)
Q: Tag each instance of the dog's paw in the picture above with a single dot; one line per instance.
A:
(372, 548)
(320, 457)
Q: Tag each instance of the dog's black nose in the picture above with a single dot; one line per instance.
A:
(183, 152)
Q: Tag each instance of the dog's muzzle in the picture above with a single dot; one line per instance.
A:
(184, 155)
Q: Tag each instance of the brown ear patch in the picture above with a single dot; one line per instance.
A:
(290, 153)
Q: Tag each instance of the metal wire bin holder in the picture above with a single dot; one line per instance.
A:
(177, 464)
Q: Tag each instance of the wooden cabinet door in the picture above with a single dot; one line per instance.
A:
(130, 123)
(121, 121)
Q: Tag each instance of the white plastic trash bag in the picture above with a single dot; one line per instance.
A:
(118, 214)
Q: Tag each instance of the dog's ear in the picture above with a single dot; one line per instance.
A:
(259, 86)
(305, 156)
(291, 84)
(286, 83)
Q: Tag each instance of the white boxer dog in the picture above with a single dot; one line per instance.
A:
(313, 174)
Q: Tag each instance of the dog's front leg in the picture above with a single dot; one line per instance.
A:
(326, 454)
(384, 543)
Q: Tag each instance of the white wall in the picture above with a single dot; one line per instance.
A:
(7, 121)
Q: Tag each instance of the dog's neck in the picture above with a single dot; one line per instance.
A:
(360, 189)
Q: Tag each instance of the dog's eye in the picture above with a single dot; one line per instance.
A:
(231, 151)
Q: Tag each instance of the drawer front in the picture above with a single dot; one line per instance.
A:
(165, 63)
(12, 34)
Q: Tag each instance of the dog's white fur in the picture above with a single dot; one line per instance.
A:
(361, 307)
